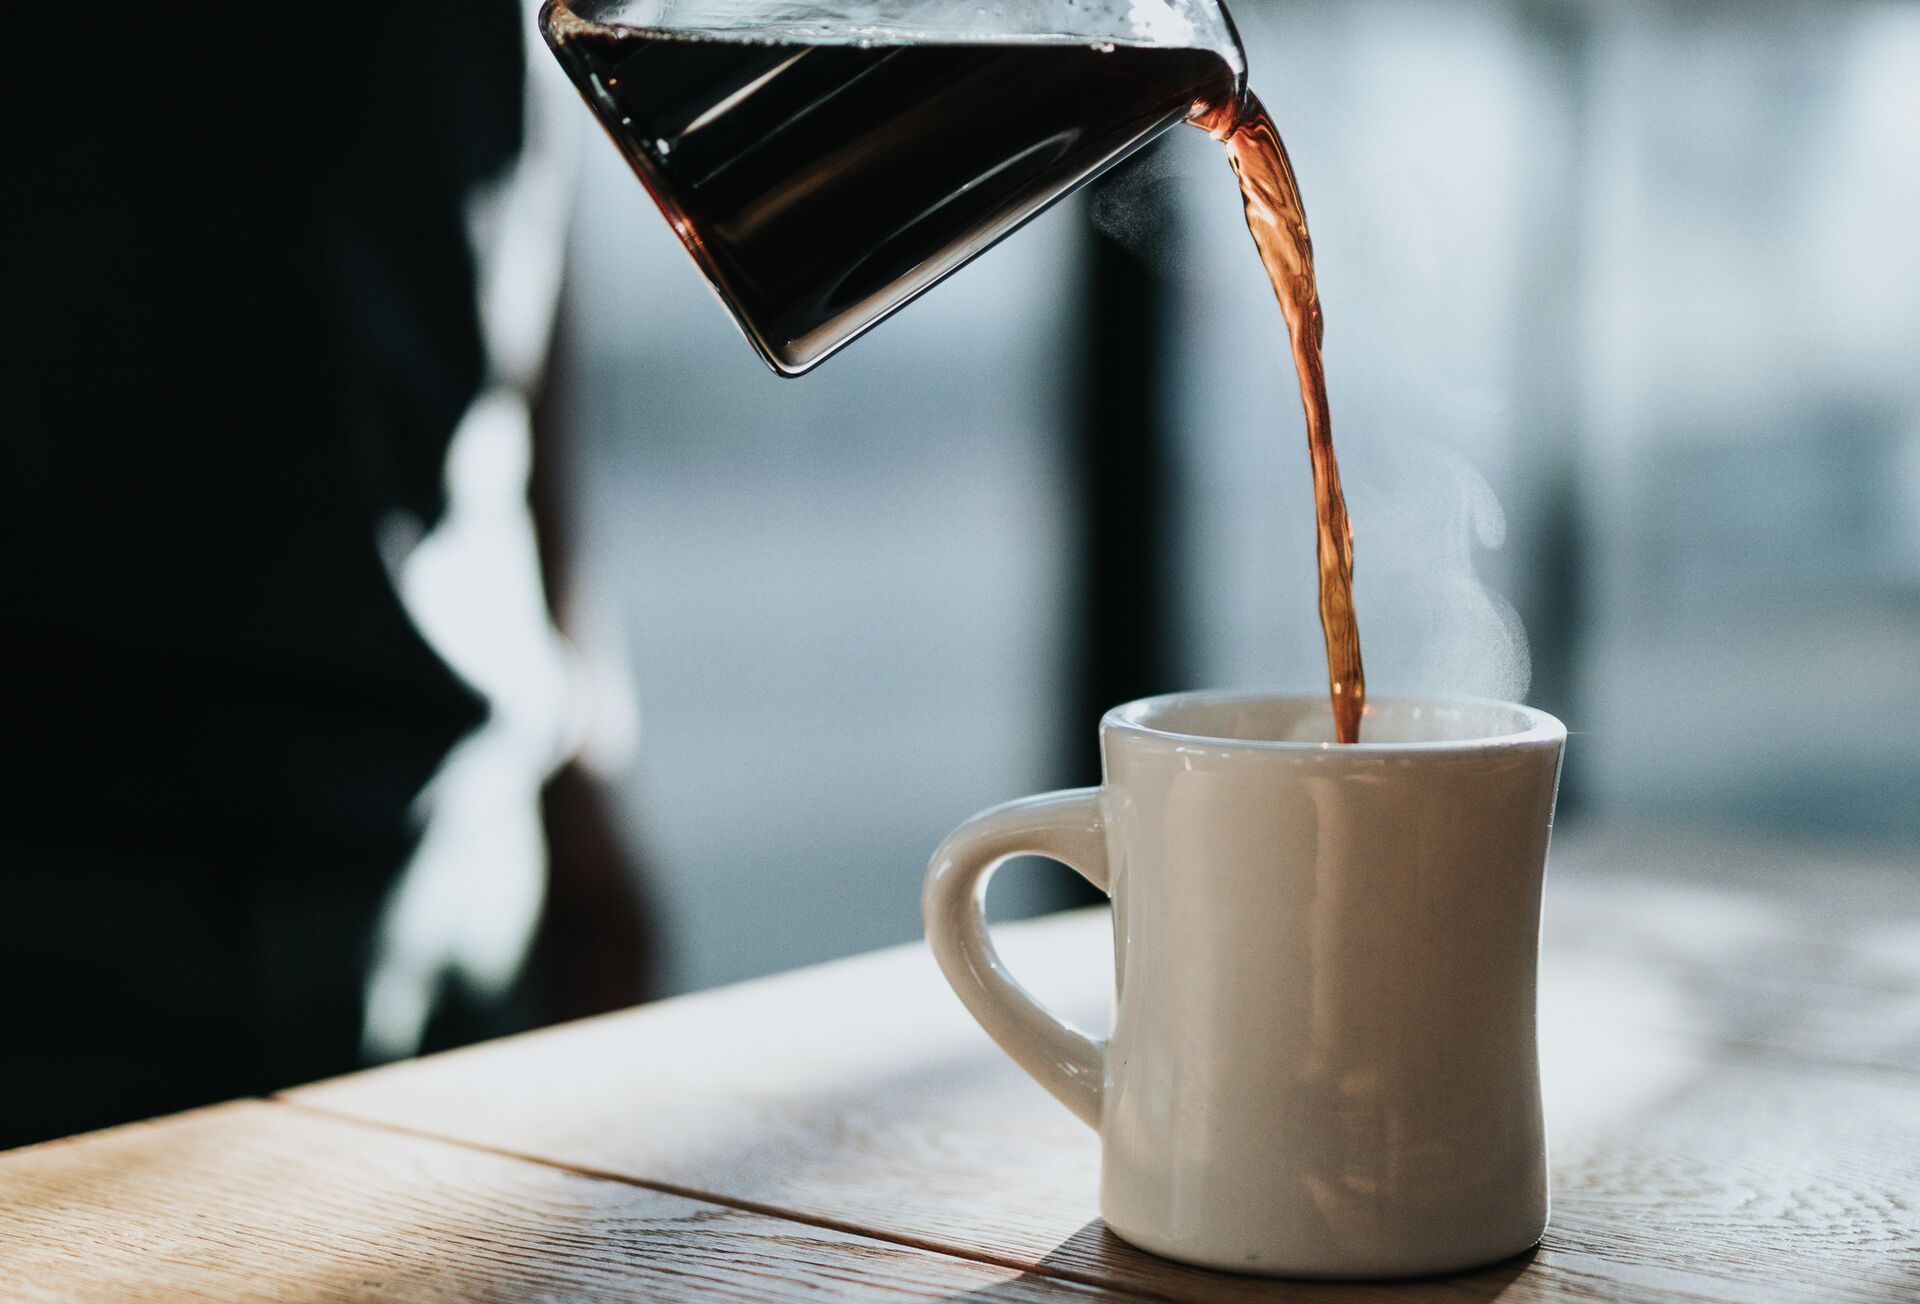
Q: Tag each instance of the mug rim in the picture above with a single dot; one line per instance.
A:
(1128, 718)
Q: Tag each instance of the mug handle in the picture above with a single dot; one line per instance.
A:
(1063, 826)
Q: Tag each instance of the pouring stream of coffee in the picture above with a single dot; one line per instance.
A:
(820, 185)
(1278, 221)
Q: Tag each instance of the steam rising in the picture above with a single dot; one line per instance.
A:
(1137, 206)
(1423, 516)
(1428, 625)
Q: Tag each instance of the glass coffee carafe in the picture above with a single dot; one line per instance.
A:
(826, 163)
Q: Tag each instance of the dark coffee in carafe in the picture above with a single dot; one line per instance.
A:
(824, 177)
(822, 186)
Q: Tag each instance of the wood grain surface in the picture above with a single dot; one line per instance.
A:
(1731, 1049)
(253, 1201)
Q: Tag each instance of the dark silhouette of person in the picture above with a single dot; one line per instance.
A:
(268, 385)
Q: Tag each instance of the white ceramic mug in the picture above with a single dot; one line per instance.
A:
(1322, 1061)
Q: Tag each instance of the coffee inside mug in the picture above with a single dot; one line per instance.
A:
(1308, 721)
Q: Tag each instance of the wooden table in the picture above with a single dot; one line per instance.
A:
(1732, 1053)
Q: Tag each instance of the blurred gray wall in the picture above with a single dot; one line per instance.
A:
(1630, 286)
(837, 597)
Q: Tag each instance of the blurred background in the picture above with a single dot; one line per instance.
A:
(1623, 339)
